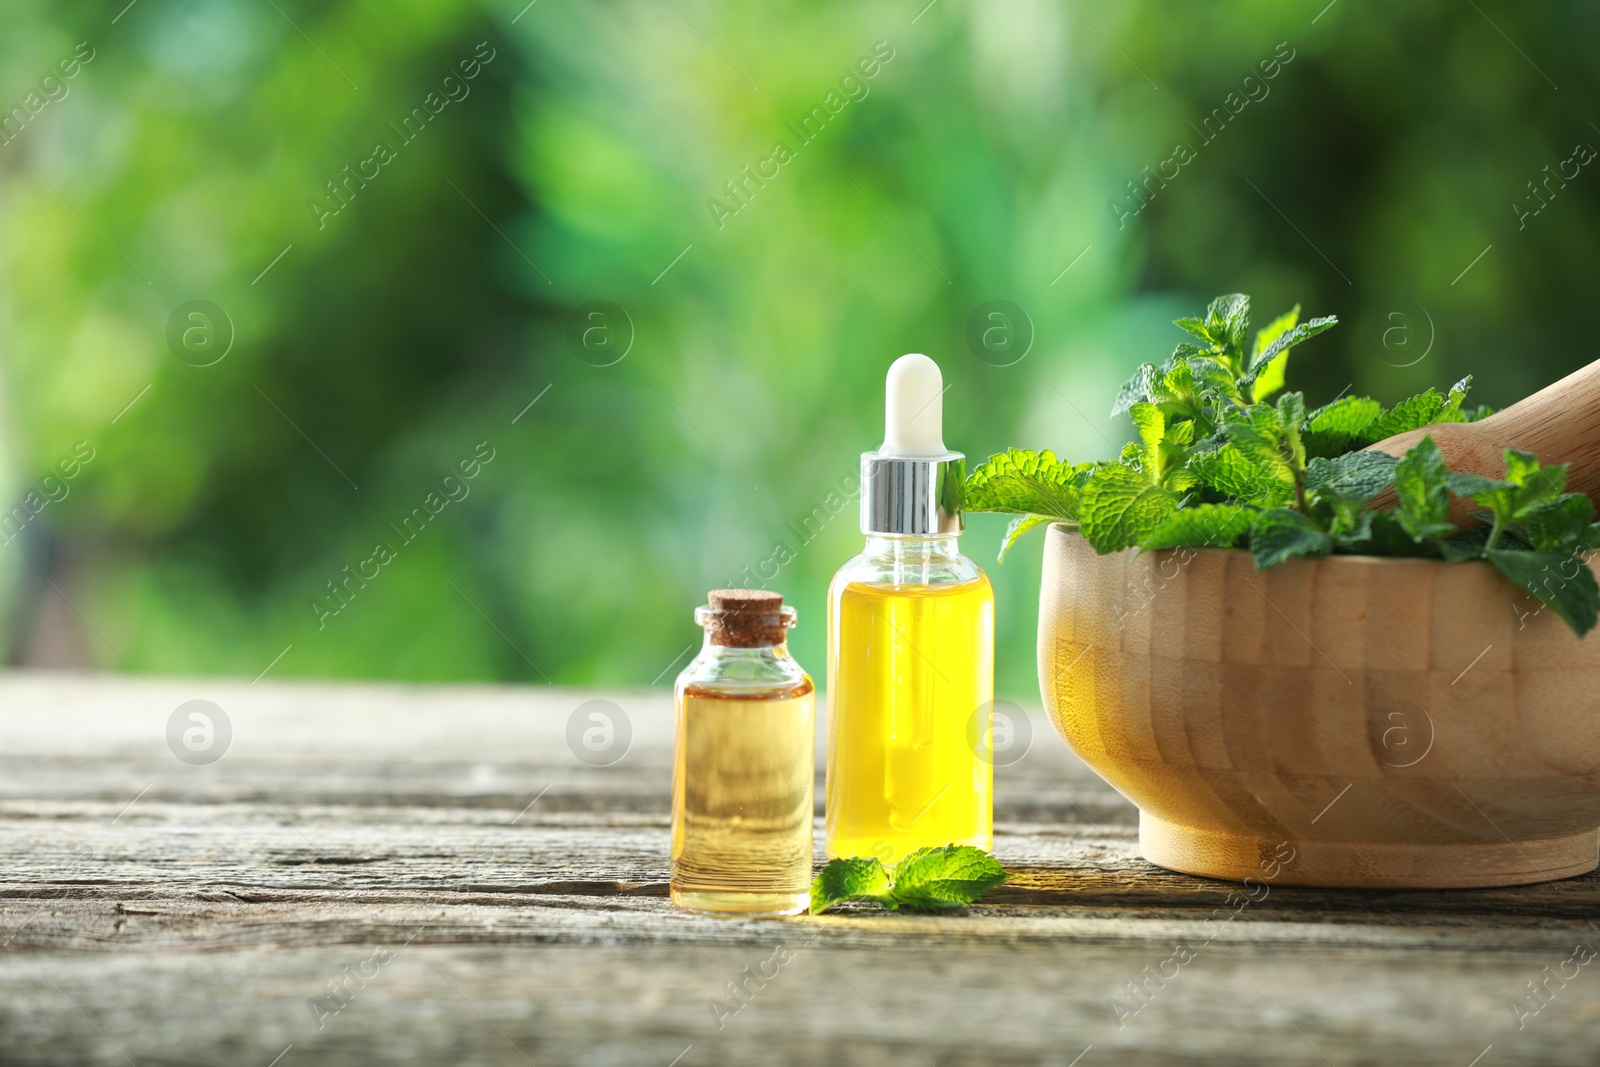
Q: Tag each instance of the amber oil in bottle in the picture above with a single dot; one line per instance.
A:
(744, 764)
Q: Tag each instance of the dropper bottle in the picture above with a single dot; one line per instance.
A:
(910, 648)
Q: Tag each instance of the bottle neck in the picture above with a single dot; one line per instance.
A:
(913, 548)
(915, 559)
(779, 651)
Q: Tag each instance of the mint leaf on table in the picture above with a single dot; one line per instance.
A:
(929, 879)
(939, 879)
(862, 878)
(1121, 506)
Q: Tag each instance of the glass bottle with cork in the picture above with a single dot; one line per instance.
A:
(744, 765)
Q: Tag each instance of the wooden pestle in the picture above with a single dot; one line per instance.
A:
(1559, 424)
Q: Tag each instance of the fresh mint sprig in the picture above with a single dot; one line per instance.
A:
(1218, 462)
(929, 879)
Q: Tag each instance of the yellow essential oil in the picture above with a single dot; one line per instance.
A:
(910, 704)
(910, 648)
(745, 764)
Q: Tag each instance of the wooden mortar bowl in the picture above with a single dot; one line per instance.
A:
(1396, 723)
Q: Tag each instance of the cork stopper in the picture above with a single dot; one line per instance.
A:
(745, 618)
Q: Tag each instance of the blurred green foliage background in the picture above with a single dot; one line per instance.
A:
(376, 348)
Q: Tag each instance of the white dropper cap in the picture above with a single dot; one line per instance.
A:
(913, 409)
(912, 485)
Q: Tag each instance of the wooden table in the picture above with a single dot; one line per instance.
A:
(483, 896)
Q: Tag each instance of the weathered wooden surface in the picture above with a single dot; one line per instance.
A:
(507, 905)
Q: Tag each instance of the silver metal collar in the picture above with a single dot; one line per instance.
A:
(911, 496)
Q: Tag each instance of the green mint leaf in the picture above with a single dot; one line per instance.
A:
(851, 879)
(1424, 409)
(1120, 507)
(1520, 466)
(1354, 476)
(1536, 483)
(1271, 332)
(1137, 389)
(1387, 537)
(938, 879)
(1195, 327)
(1348, 414)
(1214, 379)
(1336, 427)
(1171, 389)
(1291, 420)
(1465, 545)
(1269, 364)
(1019, 526)
(1162, 451)
(1269, 378)
(1216, 525)
(1228, 320)
(1560, 525)
(1526, 485)
(1421, 483)
(1289, 338)
(1258, 431)
(1178, 395)
(1465, 484)
(1564, 582)
(1027, 483)
(1283, 533)
(1351, 523)
(1152, 427)
(1232, 473)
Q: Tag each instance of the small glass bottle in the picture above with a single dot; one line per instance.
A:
(745, 763)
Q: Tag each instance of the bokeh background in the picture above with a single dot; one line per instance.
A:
(700, 379)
